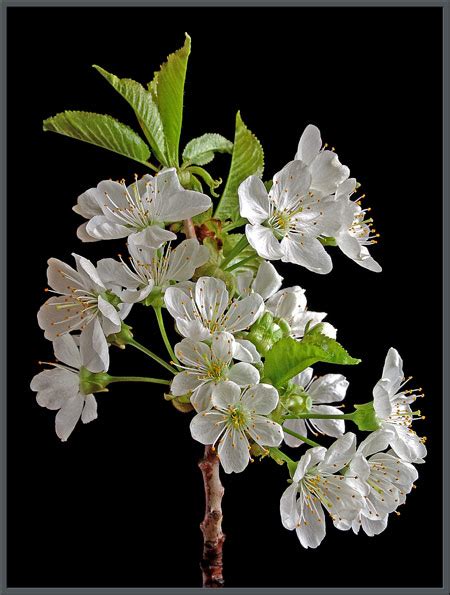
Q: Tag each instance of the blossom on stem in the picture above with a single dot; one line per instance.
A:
(59, 388)
(356, 231)
(84, 303)
(153, 269)
(327, 172)
(388, 480)
(392, 407)
(207, 366)
(316, 485)
(204, 308)
(315, 395)
(237, 417)
(142, 209)
(286, 222)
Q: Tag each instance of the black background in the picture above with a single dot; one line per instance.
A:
(119, 503)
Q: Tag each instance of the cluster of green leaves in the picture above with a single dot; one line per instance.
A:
(158, 108)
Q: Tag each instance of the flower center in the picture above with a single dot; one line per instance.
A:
(237, 417)
(136, 214)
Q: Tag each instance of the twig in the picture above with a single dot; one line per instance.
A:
(211, 526)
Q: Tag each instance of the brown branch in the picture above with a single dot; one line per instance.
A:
(189, 229)
(211, 525)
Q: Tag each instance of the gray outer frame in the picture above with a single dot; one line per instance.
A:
(445, 589)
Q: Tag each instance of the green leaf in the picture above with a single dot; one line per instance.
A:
(145, 108)
(247, 160)
(365, 417)
(102, 131)
(167, 88)
(201, 150)
(248, 254)
(289, 357)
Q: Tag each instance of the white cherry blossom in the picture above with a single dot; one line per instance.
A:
(356, 231)
(84, 302)
(327, 172)
(153, 269)
(266, 282)
(286, 222)
(207, 366)
(204, 308)
(317, 395)
(388, 480)
(115, 211)
(237, 417)
(392, 406)
(59, 388)
(316, 485)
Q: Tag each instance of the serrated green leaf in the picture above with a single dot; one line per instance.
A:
(247, 159)
(289, 357)
(144, 107)
(100, 130)
(201, 150)
(167, 88)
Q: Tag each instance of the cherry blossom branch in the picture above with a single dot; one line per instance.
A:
(137, 379)
(300, 437)
(211, 526)
(162, 330)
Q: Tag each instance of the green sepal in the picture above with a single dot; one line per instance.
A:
(327, 241)
(93, 382)
(264, 333)
(365, 417)
(123, 337)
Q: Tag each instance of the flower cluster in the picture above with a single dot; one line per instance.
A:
(243, 360)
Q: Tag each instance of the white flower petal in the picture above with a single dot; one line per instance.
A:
(87, 204)
(225, 394)
(54, 387)
(153, 236)
(83, 235)
(183, 261)
(381, 398)
(339, 453)
(60, 315)
(265, 432)
(243, 374)
(110, 313)
(100, 228)
(309, 145)
(299, 427)
(112, 271)
(62, 277)
(193, 353)
(66, 351)
(222, 347)
(211, 297)
(68, 416)
(329, 427)
(261, 398)
(267, 280)
(183, 383)
(207, 426)
(307, 252)
(374, 527)
(289, 184)
(311, 527)
(245, 351)
(94, 348)
(264, 242)
(288, 507)
(327, 172)
(243, 313)
(89, 410)
(376, 442)
(311, 457)
(253, 200)
(233, 451)
(393, 370)
(304, 378)
(201, 398)
(328, 389)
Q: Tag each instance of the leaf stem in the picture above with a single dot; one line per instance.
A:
(160, 361)
(243, 243)
(276, 453)
(162, 329)
(138, 379)
(300, 437)
(151, 166)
